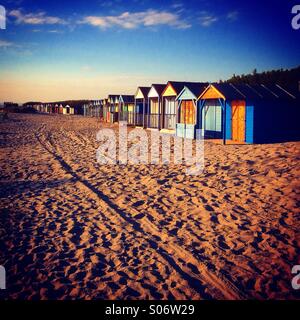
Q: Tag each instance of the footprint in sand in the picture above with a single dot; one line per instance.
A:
(222, 244)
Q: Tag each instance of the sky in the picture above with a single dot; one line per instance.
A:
(59, 50)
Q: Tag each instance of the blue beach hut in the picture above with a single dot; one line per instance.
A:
(249, 114)
(141, 106)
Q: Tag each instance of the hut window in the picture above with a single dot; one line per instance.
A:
(170, 106)
(130, 108)
(139, 107)
(154, 106)
(212, 116)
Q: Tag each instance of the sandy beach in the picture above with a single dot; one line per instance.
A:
(73, 229)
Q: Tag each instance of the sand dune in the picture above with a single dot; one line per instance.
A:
(73, 229)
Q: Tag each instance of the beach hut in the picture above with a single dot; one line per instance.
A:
(61, 109)
(126, 109)
(187, 113)
(97, 106)
(112, 110)
(48, 108)
(109, 105)
(72, 110)
(51, 108)
(43, 108)
(105, 105)
(249, 114)
(115, 117)
(56, 108)
(77, 108)
(102, 104)
(153, 115)
(92, 108)
(36, 107)
(86, 109)
(68, 110)
(170, 105)
(141, 106)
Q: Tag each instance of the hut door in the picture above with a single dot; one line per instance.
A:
(170, 113)
(154, 113)
(238, 120)
(187, 114)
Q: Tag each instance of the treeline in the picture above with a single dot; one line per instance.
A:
(71, 103)
(287, 78)
(30, 103)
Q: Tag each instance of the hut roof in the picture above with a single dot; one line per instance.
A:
(280, 92)
(113, 96)
(229, 91)
(144, 90)
(259, 91)
(197, 87)
(159, 88)
(179, 85)
(127, 98)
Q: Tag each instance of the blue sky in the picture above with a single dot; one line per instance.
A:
(86, 49)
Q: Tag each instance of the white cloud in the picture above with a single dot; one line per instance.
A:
(206, 19)
(128, 20)
(35, 18)
(108, 3)
(55, 31)
(5, 44)
(232, 16)
(177, 5)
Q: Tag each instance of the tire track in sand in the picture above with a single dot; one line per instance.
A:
(203, 281)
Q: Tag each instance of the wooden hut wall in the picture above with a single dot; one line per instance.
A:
(169, 108)
(169, 112)
(267, 122)
(276, 120)
(249, 124)
(122, 110)
(261, 119)
(187, 114)
(141, 107)
(228, 121)
(153, 116)
(154, 109)
(212, 118)
(130, 113)
(138, 111)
